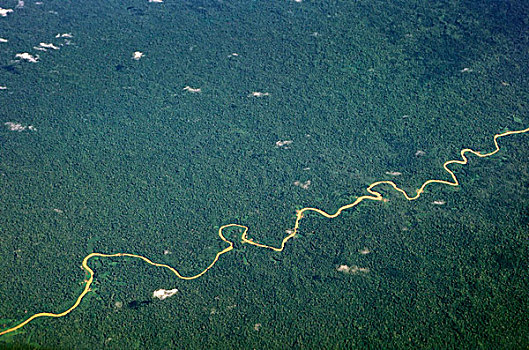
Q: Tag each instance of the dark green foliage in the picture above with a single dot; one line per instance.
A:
(124, 160)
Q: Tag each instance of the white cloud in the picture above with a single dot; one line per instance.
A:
(49, 46)
(190, 89)
(352, 269)
(26, 56)
(164, 293)
(19, 127)
(283, 143)
(4, 12)
(65, 35)
(137, 55)
(258, 94)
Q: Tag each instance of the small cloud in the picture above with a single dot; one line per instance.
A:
(64, 35)
(137, 55)
(156, 1)
(190, 89)
(352, 269)
(304, 185)
(258, 94)
(19, 127)
(439, 202)
(364, 251)
(4, 12)
(283, 143)
(48, 46)
(466, 70)
(26, 56)
(342, 268)
(393, 173)
(164, 293)
(2, 40)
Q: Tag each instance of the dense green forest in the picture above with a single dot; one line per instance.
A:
(301, 104)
